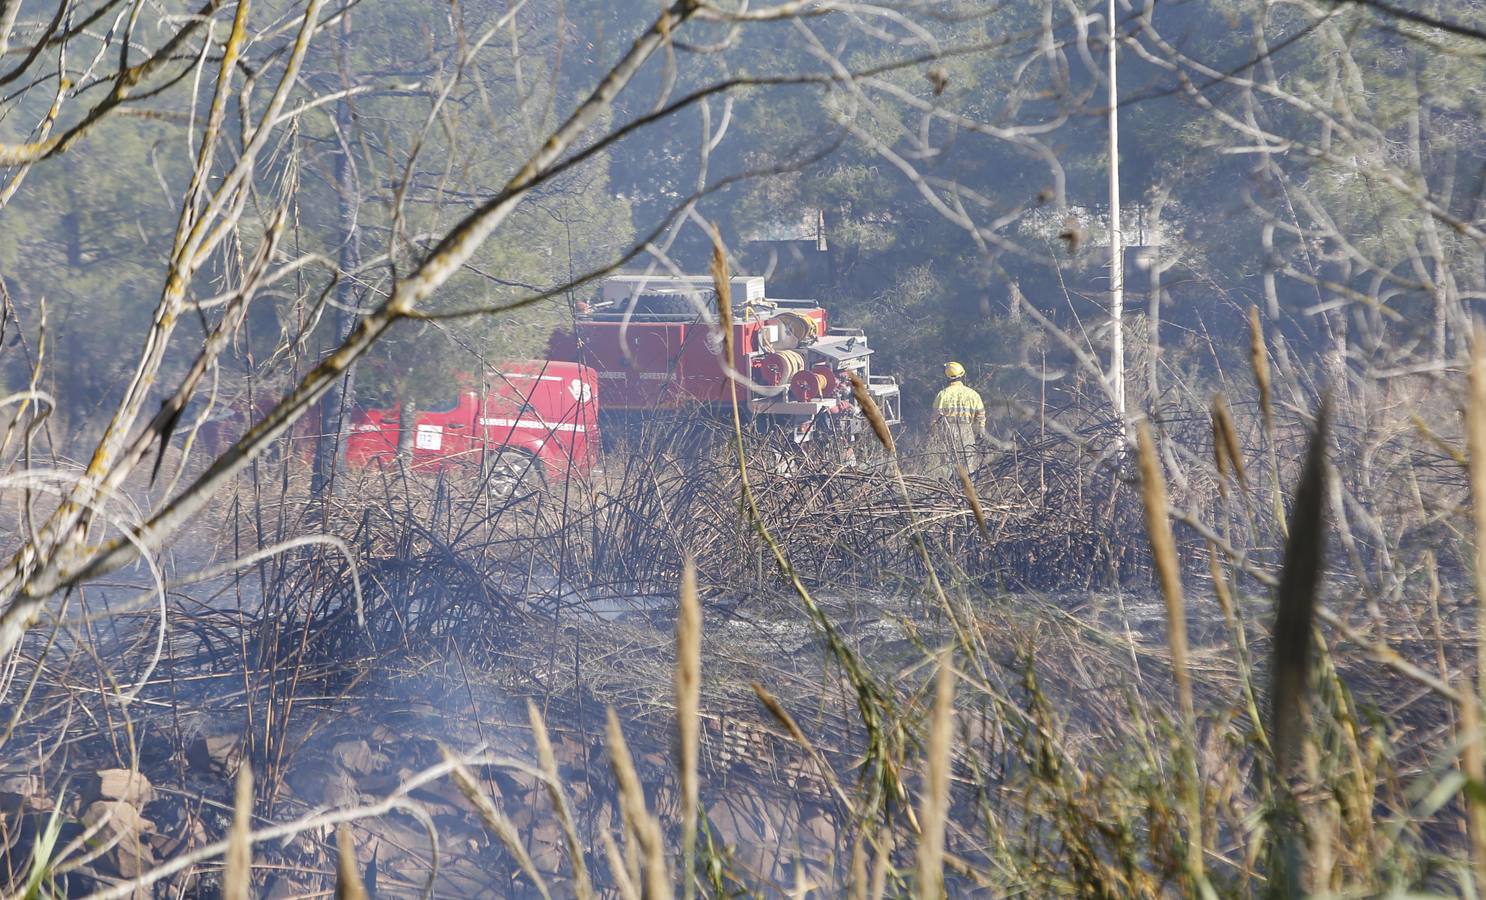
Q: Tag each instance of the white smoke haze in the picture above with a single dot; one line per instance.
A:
(376, 373)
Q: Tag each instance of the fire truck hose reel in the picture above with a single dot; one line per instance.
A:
(796, 365)
(803, 328)
(830, 379)
(807, 386)
(780, 366)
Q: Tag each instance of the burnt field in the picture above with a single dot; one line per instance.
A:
(742, 448)
(501, 697)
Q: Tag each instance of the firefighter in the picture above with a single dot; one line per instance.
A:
(959, 420)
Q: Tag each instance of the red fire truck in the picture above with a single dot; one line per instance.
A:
(532, 421)
(655, 346)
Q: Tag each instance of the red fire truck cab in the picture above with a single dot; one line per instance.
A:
(656, 346)
(534, 418)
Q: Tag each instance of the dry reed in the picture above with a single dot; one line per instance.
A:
(973, 499)
(688, 717)
(934, 806)
(1239, 632)
(1259, 360)
(619, 870)
(582, 884)
(884, 743)
(723, 287)
(868, 406)
(1084, 817)
(498, 823)
(1290, 665)
(237, 877)
(1475, 442)
(637, 818)
(1168, 571)
(348, 885)
(1226, 447)
(782, 716)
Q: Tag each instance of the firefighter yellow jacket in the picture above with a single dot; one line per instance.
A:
(959, 403)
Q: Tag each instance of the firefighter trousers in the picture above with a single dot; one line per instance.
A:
(957, 446)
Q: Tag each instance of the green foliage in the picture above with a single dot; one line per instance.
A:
(88, 231)
(41, 854)
(493, 118)
(85, 236)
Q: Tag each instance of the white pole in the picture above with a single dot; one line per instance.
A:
(1116, 239)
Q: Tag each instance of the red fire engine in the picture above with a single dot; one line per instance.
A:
(535, 419)
(655, 346)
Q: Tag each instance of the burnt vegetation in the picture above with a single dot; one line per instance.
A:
(488, 449)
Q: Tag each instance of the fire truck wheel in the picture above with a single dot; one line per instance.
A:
(511, 475)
